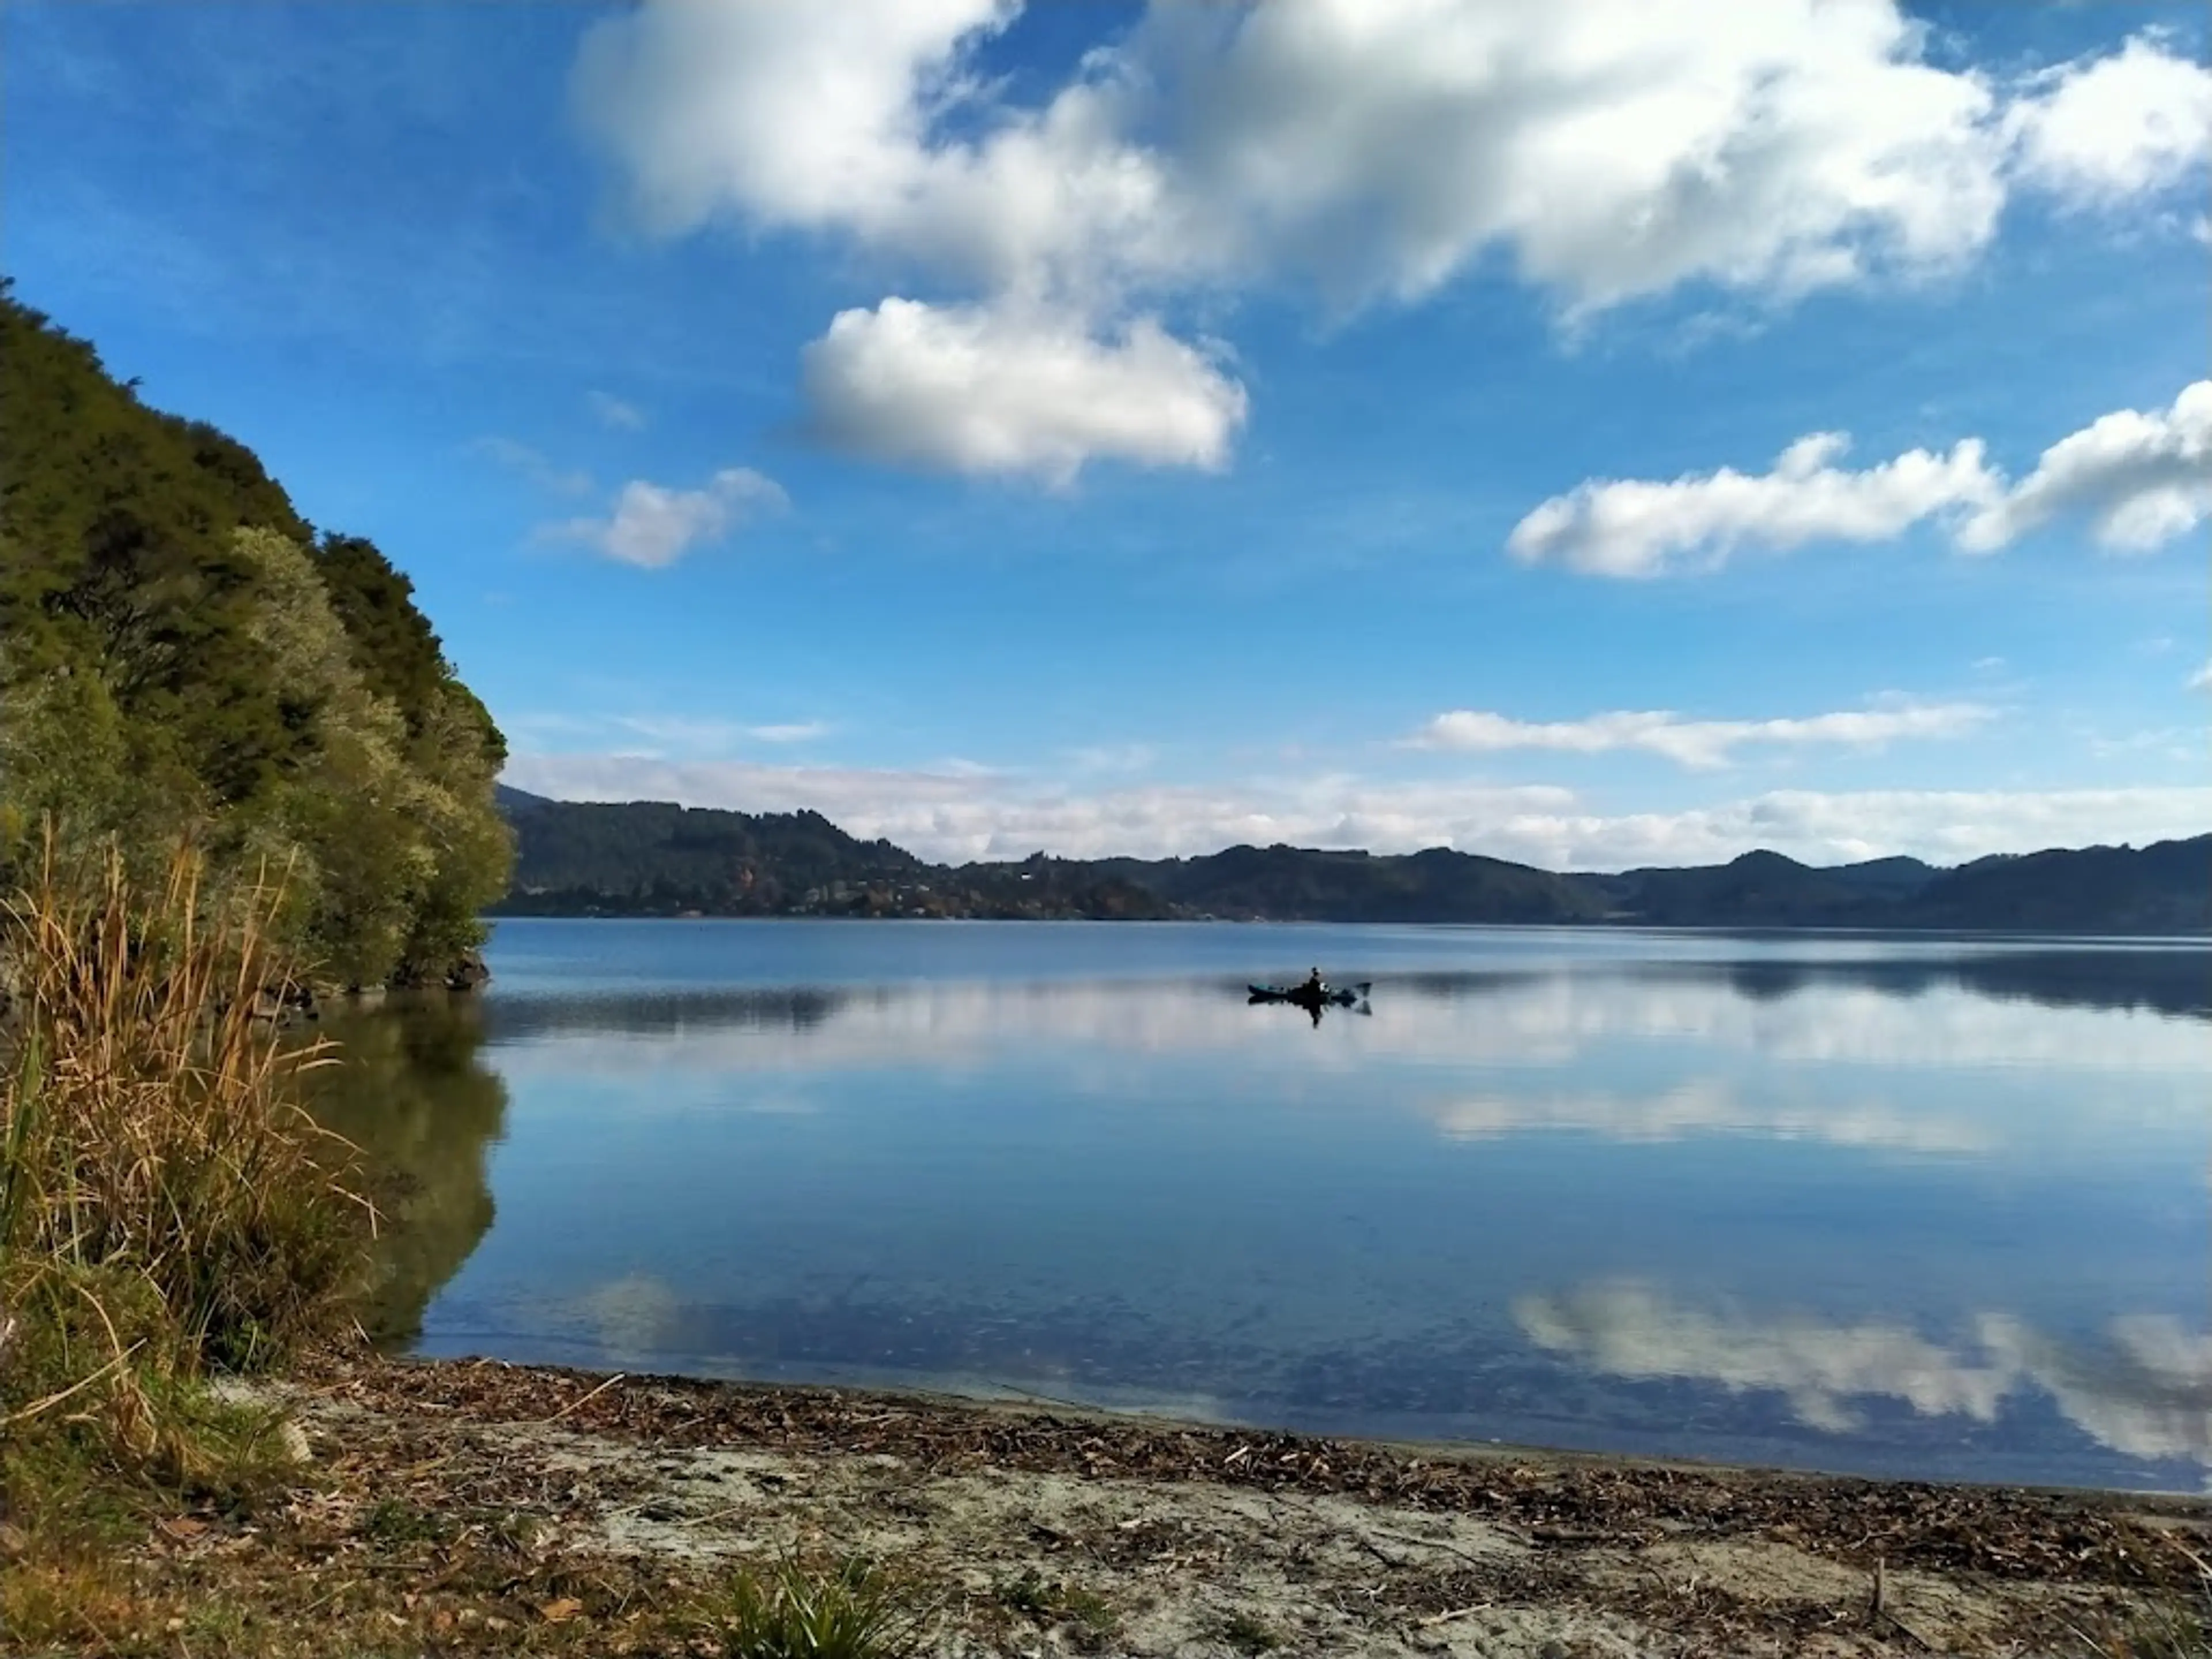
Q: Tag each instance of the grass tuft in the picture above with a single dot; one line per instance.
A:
(791, 1611)
(1247, 1635)
(2162, 1630)
(1056, 1601)
(152, 1133)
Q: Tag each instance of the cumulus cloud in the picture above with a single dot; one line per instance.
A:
(967, 812)
(1635, 527)
(614, 412)
(532, 466)
(2140, 478)
(2148, 1393)
(652, 525)
(1696, 743)
(1360, 150)
(984, 391)
(2137, 120)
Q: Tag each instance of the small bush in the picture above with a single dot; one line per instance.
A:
(1055, 1600)
(851, 1611)
(1242, 1632)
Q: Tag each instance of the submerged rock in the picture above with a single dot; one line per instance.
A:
(469, 974)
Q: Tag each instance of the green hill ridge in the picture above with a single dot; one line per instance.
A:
(653, 858)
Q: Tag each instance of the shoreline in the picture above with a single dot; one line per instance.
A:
(559, 1510)
(989, 1395)
(1041, 1434)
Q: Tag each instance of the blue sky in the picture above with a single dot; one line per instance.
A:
(1103, 429)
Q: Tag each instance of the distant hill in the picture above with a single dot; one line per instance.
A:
(2162, 889)
(1766, 890)
(652, 858)
(1291, 883)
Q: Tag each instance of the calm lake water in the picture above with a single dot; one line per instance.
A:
(1911, 1207)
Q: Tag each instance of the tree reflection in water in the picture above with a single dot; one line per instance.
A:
(410, 1090)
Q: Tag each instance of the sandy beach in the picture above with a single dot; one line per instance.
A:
(466, 1507)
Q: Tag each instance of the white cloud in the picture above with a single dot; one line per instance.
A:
(1361, 150)
(1696, 743)
(789, 731)
(994, 390)
(1634, 527)
(1941, 826)
(2137, 120)
(2140, 477)
(528, 464)
(1111, 758)
(2202, 679)
(966, 813)
(686, 736)
(1610, 150)
(652, 526)
(615, 412)
(805, 117)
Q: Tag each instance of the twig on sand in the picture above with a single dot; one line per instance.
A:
(1472, 1559)
(578, 1404)
(1436, 1619)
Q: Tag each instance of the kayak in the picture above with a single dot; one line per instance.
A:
(1331, 996)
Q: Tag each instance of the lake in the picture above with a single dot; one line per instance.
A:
(1900, 1205)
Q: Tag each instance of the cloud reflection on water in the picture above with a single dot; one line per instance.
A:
(2146, 1394)
(1524, 1019)
(1707, 1106)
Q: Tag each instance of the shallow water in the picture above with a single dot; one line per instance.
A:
(1901, 1206)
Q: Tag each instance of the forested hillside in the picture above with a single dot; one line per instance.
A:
(652, 858)
(182, 657)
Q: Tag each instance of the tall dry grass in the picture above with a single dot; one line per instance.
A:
(167, 1206)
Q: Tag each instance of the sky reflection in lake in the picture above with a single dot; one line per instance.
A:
(1923, 1206)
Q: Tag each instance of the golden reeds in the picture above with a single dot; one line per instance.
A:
(165, 1204)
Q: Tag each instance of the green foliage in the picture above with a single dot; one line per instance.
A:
(793, 1611)
(179, 658)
